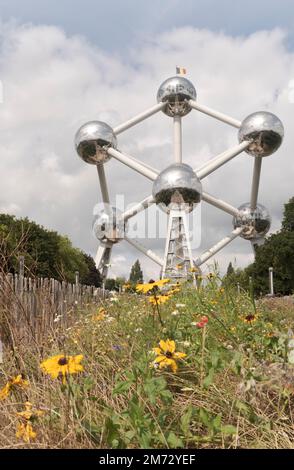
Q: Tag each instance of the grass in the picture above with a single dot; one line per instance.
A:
(234, 388)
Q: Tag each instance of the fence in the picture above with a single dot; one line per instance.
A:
(31, 307)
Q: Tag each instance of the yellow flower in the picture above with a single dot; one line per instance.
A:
(167, 355)
(173, 291)
(25, 431)
(29, 413)
(17, 381)
(158, 299)
(250, 318)
(144, 288)
(61, 366)
(100, 316)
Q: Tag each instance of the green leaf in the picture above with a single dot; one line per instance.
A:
(217, 422)
(174, 441)
(209, 378)
(228, 429)
(186, 419)
(122, 387)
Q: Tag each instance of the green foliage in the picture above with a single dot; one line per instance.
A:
(136, 275)
(46, 253)
(276, 252)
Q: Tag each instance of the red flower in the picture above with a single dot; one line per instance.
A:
(202, 323)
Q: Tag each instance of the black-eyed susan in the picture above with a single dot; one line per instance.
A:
(100, 315)
(29, 413)
(14, 383)
(158, 299)
(250, 318)
(149, 286)
(25, 432)
(167, 355)
(62, 366)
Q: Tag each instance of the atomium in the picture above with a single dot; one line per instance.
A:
(176, 92)
(177, 187)
(255, 223)
(264, 130)
(109, 225)
(92, 141)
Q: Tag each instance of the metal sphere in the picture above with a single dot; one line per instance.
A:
(176, 92)
(109, 225)
(177, 187)
(92, 141)
(264, 130)
(256, 223)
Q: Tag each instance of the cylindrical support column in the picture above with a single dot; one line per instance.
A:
(215, 114)
(255, 182)
(148, 201)
(271, 280)
(218, 246)
(220, 204)
(140, 117)
(221, 159)
(144, 250)
(178, 139)
(103, 184)
(133, 163)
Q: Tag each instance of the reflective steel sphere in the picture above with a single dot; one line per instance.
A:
(256, 223)
(264, 130)
(176, 92)
(92, 141)
(177, 187)
(109, 227)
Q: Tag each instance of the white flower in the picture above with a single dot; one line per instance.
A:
(180, 305)
(229, 346)
(186, 344)
(110, 319)
(57, 319)
(193, 323)
(138, 330)
(175, 313)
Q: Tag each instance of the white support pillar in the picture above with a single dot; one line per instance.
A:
(271, 281)
(255, 182)
(221, 159)
(141, 206)
(102, 258)
(103, 184)
(218, 246)
(139, 118)
(144, 250)
(215, 114)
(178, 139)
(220, 204)
(133, 163)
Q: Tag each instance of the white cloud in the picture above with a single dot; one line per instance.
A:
(53, 83)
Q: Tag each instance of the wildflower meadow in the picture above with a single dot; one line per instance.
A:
(159, 365)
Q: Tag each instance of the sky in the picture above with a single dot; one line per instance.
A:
(64, 63)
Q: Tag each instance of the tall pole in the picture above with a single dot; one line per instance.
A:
(255, 182)
(178, 139)
(271, 280)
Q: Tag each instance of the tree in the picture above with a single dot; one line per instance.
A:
(93, 276)
(230, 269)
(288, 218)
(46, 253)
(277, 252)
(136, 275)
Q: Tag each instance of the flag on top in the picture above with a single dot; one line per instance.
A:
(181, 70)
